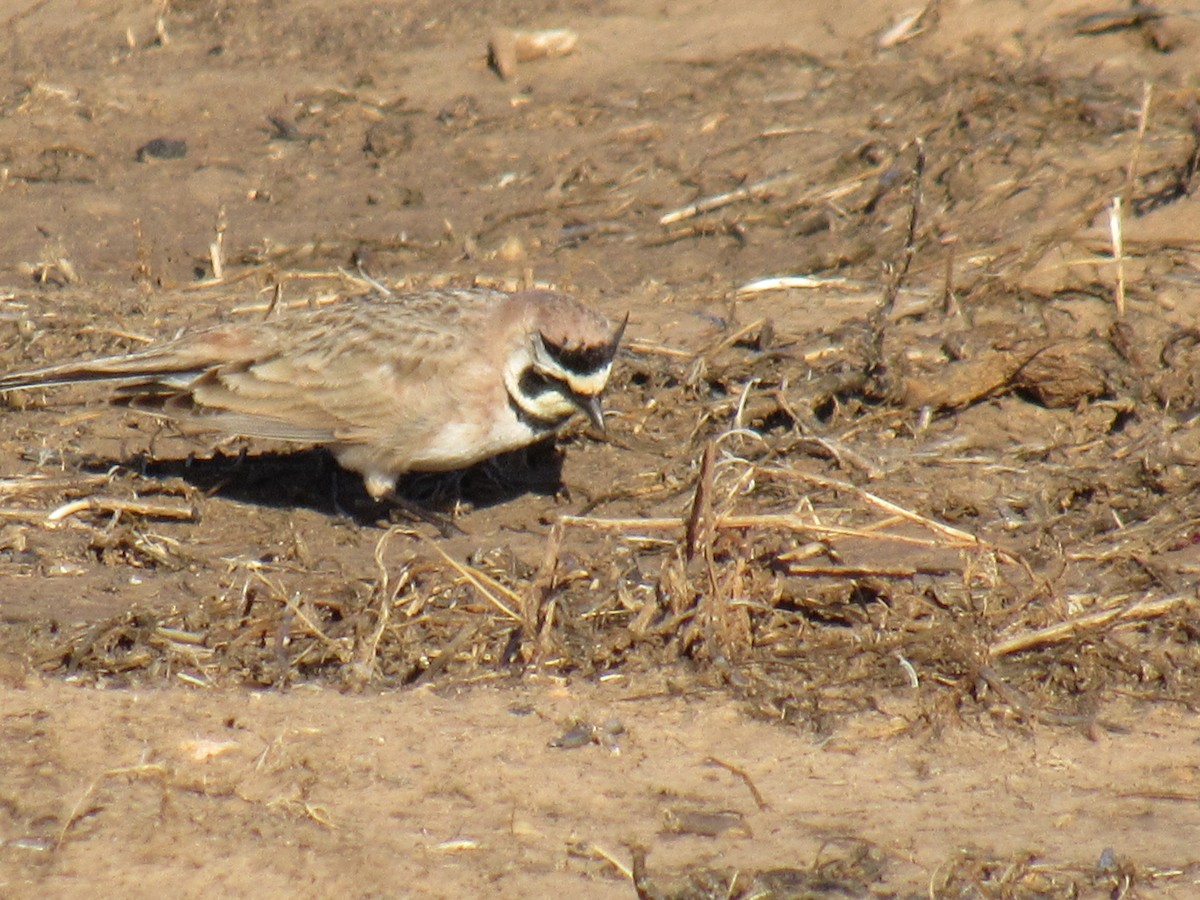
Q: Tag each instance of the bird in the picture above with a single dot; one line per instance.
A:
(426, 381)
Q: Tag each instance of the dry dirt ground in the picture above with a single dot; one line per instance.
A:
(881, 583)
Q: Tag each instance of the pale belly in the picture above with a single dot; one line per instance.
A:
(454, 445)
(459, 444)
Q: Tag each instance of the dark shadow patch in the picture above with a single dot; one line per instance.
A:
(312, 479)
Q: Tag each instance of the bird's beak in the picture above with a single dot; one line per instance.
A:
(592, 409)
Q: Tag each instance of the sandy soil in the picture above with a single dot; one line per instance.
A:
(932, 628)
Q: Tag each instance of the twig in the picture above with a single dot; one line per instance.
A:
(898, 572)
(77, 810)
(21, 514)
(276, 306)
(446, 654)
(1023, 708)
(1118, 253)
(49, 482)
(1115, 212)
(478, 579)
(113, 504)
(118, 332)
(742, 774)
(216, 249)
(636, 345)
(729, 340)
(950, 305)
(611, 858)
(739, 414)
(782, 522)
(23, 14)
(642, 883)
(789, 282)
(367, 648)
(699, 530)
(1135, 156)
(1055, 634)
(716, 201)
(1134, 16)
(276, 297)
(900, 272)
(948, 531)
(904, 29)
(543, 583)
(207, 283)
(338, 647)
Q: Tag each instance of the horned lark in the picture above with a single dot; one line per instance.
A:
(429, 381)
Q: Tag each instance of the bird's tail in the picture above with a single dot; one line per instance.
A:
(165, 365)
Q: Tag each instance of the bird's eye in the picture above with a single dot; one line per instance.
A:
(534, 383)
(582, 360)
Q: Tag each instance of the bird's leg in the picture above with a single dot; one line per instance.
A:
(382, 489)
(336, 492)
(418, 513)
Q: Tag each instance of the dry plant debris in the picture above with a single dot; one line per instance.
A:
(786, 557)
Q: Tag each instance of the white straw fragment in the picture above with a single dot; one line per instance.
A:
(787, 282)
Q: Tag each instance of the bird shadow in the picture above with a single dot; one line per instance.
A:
(312, 479)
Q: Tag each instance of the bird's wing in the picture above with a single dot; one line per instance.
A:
(351, 372)
(350, 384)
